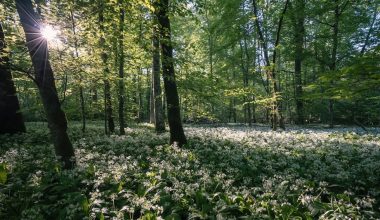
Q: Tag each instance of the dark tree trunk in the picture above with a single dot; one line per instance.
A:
(121, 70)
(371, 28)
(44, 78)
(108, 116)
(276, 115)
(82, 108)
(174, 118)
(139, 96)
(254, 110)
(299, 33)
(245, 61)
(332, 66)
(158, 111)
(278, 118)
(234, 110)
(108, 104)
(11, 120)
(151, 101)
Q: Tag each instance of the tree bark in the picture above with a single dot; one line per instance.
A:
(299, 33)
(332, 66)
(44, 78)
(121, 70)
(139, 97)
(174, 118)
(278, 118)
(276, 114)
(11, 120)
(158, 111)
(368, 35)
(108, 115)
(151, 101)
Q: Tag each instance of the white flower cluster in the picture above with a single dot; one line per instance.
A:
(224, 173)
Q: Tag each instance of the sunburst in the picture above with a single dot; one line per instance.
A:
(49, 33)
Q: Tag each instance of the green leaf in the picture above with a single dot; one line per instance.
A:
(149, 216)
(173, 216)
(85, 205)
(101, 217)
(3, 173)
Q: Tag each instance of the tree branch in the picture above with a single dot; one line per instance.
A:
(27, 72)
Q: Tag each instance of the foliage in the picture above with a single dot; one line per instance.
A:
(223, 173)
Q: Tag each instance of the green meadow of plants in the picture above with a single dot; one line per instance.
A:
(228, 172)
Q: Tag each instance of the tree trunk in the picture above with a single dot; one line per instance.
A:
(151, 101)
(299, 33)
(108, 117)
(121, 70)
(158, 111)
(81, 96)
(234, 110)
(108, 104)
(276, 114)
(332, 66)
(278, 118)
(174, 118)
(369, 33)
(44, 78)
(82, 108)
(246, 77)
(11, 120)
(139, 96)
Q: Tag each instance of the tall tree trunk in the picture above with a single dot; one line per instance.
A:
(108, 116)
(370, 29)
(278, 118)
(332, 66)
(247, 69)
(44, 78)
(158, 111)
(139, 95)
(264, 46)
(210, 42)
(81, 95)
(174, 118)
(254, 55)
(244, 58)
(82, 108)
(151, 100)
(254, 111)
(11, 120)
(299, 33)
(276, 114)
(121, 70)
(234, 110)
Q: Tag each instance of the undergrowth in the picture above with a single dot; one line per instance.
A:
(222, 173)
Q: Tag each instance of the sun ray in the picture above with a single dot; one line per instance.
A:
(49, 33)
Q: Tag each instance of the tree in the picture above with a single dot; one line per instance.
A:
(44, 78)
(109, 123)
(277, 118)
(299, 34)
(121, 68)
(11, 120)
(76, 56)
(174, 118)
(159, 122)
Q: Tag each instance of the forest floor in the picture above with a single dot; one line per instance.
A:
(223, 172)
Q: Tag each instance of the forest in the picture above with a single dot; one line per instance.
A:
(189, 109)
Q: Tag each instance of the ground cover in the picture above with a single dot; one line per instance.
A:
(227, 172)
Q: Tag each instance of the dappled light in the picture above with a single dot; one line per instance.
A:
(189, 109)
(226, 172)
